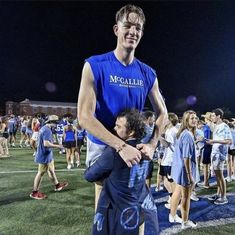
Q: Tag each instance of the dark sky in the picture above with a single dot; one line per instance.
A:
(191, 44)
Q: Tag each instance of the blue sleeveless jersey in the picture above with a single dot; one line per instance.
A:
(118, 87)
(60, 127)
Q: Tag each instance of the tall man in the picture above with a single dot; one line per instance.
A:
(116, 81)
(221, 139)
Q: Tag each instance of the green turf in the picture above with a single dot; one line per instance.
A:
(67, 212)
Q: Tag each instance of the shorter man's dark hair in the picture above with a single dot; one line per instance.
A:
(134, 122)
(218, 112)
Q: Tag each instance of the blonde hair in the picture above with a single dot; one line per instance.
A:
(185, 123)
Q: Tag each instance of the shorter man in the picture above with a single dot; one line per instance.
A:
(44, 158)
(221, 139)
(125, 205)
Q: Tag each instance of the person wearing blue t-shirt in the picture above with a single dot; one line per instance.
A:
(115, 81)
(183, 170)
(44, 158)
(206, 152)
(126, 205)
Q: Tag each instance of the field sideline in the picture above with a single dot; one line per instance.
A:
(67, 212)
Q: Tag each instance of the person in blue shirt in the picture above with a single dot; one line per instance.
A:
(81, 137)
(45, 160)
(12, 128)
(206, 151)
(60, 131)
(125, 205)
(183, 170)
(70, 143)
(115, 81)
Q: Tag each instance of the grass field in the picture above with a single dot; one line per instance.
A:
(67, 212)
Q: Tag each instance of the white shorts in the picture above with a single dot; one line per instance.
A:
(35, 136)
(217, 161)
(59, 138)
(93, 152)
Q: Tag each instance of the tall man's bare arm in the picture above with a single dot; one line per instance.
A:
(160, 109)
(86, 108)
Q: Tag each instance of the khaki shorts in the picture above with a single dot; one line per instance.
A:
(42, 168)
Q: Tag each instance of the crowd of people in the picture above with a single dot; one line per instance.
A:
(182, 152)
(186, 147)
(67, 132)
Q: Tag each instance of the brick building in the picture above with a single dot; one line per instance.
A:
(31, 107)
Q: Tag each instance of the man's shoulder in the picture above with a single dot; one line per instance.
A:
(100, 58)
(146, 67)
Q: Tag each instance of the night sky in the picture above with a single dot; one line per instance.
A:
(191, 45)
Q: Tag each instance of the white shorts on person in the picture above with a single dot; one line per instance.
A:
(35, 136)
(217, 161)
(93, 152)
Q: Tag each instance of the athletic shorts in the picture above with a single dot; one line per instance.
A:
(80, 143)
(11, 133)
(60, 138)
(35, 136)
(23, 130)
(150, 170)
(217, 161)
(231, 152)
(69, 144)
(165, 170)
(94, 151)
(5, 135)
(206, 154)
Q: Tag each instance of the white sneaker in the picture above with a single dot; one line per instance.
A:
(78, 163)
(169, 200)
(13, 145)
(233, 177)
(221, 201)
(69, 166)
(179, 207)
(72, 165)
(228, 179)
(188, 224)
(158, 189)
(202, 185)
(60, 152)
(174, 219)
(194, 197)
(167, 205)
(34, 154)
